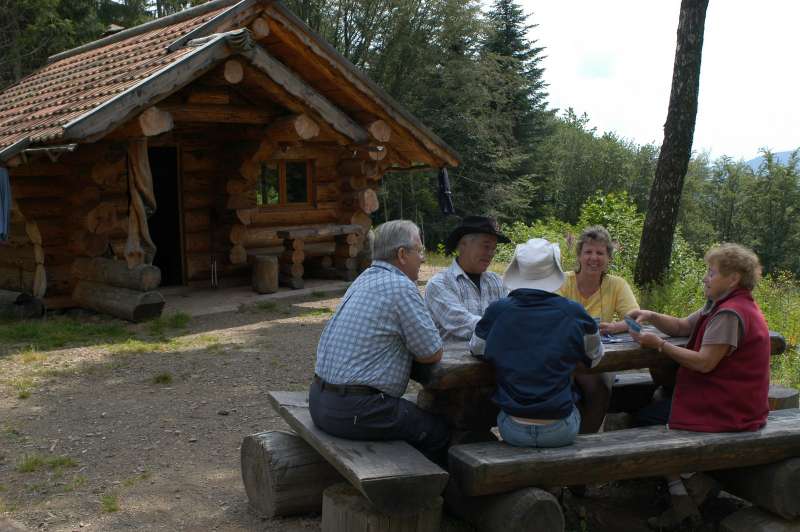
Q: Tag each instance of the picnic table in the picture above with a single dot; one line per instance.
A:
(497, 487)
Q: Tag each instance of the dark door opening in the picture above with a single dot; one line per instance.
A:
(164, 224)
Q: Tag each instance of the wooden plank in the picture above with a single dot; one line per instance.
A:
(393, 475)
(459, 368)
(486, 468)
(298, 88)
(322, 230)
(217, 113)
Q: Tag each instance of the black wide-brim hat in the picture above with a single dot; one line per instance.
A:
(474, 224)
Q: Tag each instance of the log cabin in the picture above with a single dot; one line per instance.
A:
(191, 149)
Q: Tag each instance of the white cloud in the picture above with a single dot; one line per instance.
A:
(613, 60)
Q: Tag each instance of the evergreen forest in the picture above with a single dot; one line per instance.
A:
(473, 73)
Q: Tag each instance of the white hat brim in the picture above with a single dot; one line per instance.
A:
(513, 279)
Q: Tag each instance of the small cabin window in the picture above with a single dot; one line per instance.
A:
(285, 183)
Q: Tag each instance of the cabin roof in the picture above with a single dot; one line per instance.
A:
(86, 92)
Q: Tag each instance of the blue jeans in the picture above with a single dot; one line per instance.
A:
(556, 434)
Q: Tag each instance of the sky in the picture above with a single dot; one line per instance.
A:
(612, 59)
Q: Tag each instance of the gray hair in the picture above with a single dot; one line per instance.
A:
(391, 236)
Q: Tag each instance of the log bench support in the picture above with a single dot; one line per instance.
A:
(283, 475)
(393, 476)
(344, 509)
(760, 466)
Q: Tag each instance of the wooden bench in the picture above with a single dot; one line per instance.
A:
(392, 475)
(495, 467)
(633, 390)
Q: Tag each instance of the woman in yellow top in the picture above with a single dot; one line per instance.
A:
(605, 297)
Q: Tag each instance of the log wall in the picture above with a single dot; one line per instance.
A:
(78, 206)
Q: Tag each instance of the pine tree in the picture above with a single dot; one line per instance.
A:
(522, 101)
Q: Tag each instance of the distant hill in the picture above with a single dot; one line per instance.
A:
(781, 156)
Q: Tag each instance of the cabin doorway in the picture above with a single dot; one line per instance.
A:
(164, 224)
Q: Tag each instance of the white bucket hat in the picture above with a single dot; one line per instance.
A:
(536, 264)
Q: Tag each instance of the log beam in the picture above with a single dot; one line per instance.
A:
(122, 303)
(217, 113)
(292, 129)
(142, 278)
(307, 95)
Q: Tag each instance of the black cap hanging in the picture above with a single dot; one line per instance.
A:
(445, 195)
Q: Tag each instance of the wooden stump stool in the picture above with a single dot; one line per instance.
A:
(283, 475)
(774, 487)
(344, 509)
(516, 511)
(755, 520)
(781, 397)
(265, 274)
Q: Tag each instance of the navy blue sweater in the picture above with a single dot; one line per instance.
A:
(535, 339)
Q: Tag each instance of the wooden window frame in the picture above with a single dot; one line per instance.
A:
(311, 189)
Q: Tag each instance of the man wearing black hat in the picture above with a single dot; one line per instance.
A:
(456, 297)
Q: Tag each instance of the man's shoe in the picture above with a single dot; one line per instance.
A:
(683, 512)
(701, 488)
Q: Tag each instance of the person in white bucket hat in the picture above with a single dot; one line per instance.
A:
(535, 339)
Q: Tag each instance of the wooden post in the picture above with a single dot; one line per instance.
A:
(344, 509)
(524, 509)
(265, 274)
(283, 475)
(773, 487)
(291, 263)
(463, 408)
(380, 131)
(781, 397)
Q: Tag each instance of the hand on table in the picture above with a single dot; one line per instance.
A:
(647, 339)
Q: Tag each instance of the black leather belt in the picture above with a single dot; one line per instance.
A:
(345, 389)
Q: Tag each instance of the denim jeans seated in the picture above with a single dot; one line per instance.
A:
(556, 434)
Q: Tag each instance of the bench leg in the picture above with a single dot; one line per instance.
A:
(524, 509)
(755, 520)
(283, 475)
(773, 487)
(344, 509)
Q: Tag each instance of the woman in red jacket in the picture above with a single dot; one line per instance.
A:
(723, 379)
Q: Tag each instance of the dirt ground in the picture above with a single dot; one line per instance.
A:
(145, 434)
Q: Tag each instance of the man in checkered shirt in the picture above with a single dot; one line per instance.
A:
(365, 352)
(458, 296)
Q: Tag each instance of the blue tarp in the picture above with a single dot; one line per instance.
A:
(5, 204)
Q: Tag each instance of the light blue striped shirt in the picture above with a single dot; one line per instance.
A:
(381, 325)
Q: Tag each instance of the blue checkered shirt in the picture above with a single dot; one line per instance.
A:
(456, 304)
(381, 325)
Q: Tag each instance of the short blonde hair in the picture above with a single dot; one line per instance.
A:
(735, 258)
(593, 233)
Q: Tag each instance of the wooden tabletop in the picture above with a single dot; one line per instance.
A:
(459, 368)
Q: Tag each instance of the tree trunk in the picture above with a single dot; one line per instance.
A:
(665, 194)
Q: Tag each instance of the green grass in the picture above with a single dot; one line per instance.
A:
(34, 462)
(31, 355)
(130, 482)
(318, 312)
(318, 293)
(160, 325)
(23, 386)
(267, 306)
(77, 482)
(109, 502)
(163, 378)
(55, 333)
